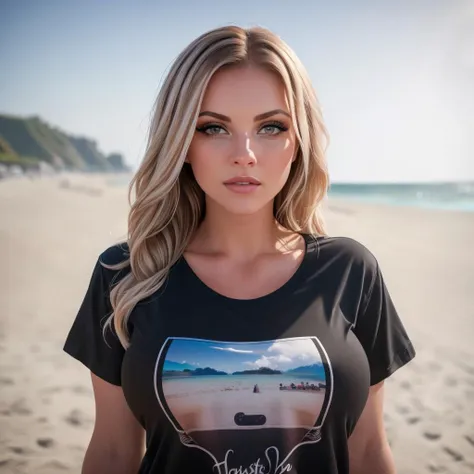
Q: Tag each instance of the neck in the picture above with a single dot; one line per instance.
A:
(240, 237)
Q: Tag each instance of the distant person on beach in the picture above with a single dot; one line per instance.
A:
(226, 243)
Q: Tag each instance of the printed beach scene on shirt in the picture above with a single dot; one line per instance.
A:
(248, 405)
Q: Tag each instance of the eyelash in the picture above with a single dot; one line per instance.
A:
(279, 125)
(276, 124)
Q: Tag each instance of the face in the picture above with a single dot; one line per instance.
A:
(244, 143)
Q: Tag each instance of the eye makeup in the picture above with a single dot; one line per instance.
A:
(207, 127)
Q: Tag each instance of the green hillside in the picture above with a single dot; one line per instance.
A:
(55, 143)
(8, 156)
(28, 141)
(16, 133)
(6, 148)
(94, 159)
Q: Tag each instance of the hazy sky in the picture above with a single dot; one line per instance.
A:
(395, 79)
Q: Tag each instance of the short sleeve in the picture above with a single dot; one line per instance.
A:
(381, 332)
(86, 342)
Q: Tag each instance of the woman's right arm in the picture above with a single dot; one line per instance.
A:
(118, 441)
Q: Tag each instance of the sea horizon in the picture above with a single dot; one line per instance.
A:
(448, 195)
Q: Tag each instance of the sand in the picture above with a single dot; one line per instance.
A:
(51, 231)
(216, 409)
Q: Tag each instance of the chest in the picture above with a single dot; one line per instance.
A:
(245, 281)
(225, 377)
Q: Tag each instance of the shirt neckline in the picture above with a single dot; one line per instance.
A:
(287, 287)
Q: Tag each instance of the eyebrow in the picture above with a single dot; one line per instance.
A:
(263, 116)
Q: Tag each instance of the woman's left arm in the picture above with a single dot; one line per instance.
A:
(369, 451)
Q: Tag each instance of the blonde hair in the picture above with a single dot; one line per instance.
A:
(169, 204)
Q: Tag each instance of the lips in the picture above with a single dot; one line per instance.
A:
(243, 180)
(242, 185)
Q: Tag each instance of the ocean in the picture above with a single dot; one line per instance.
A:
(239, 382)
(446, 196)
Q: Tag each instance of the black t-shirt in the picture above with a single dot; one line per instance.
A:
(269, 385)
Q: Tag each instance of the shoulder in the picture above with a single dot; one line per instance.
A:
(113, 262)
(115, 254)
(346, 268)
(342, 250)
(343, 260)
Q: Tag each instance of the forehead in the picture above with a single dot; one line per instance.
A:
(245, 89)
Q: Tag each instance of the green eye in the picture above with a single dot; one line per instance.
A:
(273, 128)
(211, 129)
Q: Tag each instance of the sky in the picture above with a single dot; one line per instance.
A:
(233, 357)
(395, 79)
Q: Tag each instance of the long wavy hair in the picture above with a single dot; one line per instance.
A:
(169, 205)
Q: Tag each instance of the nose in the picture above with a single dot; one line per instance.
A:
(243, 154)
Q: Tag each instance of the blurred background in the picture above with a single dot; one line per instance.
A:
(77, 84)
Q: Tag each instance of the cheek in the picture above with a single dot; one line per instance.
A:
(278, 159)
(198, 155)
(204, 151)
(204, 162)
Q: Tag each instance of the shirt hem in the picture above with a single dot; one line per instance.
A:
(402, 358)
(93, 368)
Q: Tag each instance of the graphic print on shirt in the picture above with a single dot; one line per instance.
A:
(250, 405)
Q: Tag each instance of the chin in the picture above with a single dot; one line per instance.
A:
(242, 207)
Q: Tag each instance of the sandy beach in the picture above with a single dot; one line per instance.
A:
(51, 232)
(215, 409)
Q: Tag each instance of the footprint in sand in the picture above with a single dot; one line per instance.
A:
(432, 435)
(469, 439)
(45, 442)
(12, 464)
(468, 369)
(20, 407)
(413, 420)
(405, 385)
(6, 381)
(454, 454)
(402, 410)
(20, 450)
(78, 418)
(417, 404)
(435, 467)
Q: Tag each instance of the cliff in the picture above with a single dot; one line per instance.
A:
(29, 141)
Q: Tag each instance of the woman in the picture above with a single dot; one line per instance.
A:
(228, 274)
